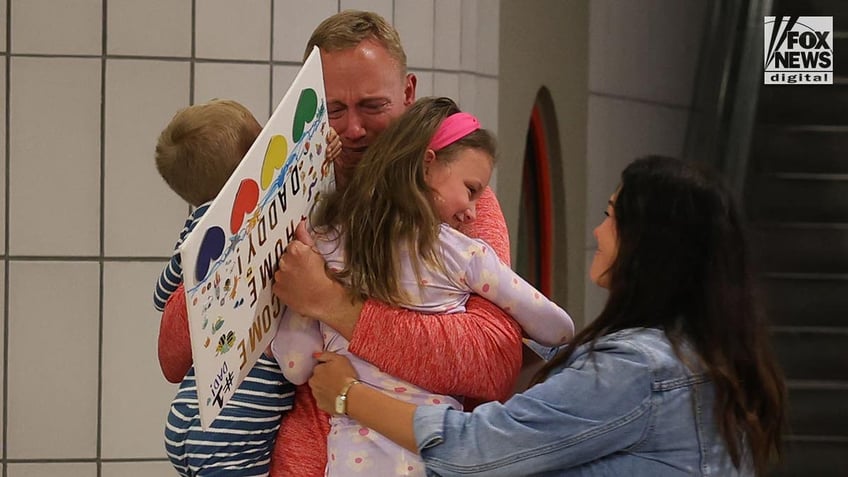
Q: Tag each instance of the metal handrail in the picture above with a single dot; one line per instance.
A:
(727, 88)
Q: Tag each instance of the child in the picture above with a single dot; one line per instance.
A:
(196, 154)
(392, 235)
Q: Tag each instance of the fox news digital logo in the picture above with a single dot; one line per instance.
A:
(798, 50)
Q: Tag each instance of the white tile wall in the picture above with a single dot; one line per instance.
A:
(385, 8)
(468, 34)
(639, 129)
(151, 27)
(218, 34)
(134, 394)
(283, 78)
(424, 87)
(54, 196)
(53, 360)
(2, 349)
(488, 19)
(3, 26)
(486, 103)
(74, 27)
(294, 24)
(51, 470)
(415, 20)
(137, 469)
(3, 152)
(447, 34)
(631, 40)
(141, 97)
(446, 84)
(245, 83)
(467, 92)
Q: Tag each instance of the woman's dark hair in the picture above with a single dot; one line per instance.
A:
(682, 266)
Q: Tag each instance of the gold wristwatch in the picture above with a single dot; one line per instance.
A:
(341, 399)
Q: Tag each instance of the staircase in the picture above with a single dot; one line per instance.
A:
(796, 197)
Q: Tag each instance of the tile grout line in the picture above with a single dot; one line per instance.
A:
(433, 44)
(643, 101)
(7, 113)
(271, 63)
(102, 246)
(192, 59)
(192, 65)
(237, 61)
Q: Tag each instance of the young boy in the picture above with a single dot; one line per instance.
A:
(196, 154)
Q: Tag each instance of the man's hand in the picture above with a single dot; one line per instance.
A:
(301, 277)
(302, 283)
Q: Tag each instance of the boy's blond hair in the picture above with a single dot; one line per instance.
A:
(348, 28)
(201, 147)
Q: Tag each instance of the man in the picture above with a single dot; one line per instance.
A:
(365, 81)
(477, 352)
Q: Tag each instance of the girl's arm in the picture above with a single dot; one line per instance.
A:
(298, 338)
(482, 272)
(475, 354)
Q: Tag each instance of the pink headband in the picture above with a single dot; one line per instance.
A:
(453, 128)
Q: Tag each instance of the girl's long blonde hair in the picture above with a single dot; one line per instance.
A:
(388, 203)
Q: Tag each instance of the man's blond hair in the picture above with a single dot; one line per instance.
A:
(348, 28)
(201, 147)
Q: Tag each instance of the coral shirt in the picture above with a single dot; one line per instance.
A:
(476, 354)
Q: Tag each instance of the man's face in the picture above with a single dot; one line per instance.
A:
(366, 90)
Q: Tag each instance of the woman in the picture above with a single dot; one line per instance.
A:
(675, 377)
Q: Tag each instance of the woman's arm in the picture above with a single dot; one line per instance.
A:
(475, 354)
(364, 403)
(589, 410)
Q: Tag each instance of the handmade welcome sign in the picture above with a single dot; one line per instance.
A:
(230, 257)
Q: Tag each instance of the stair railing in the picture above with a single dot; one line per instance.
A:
(727, 85)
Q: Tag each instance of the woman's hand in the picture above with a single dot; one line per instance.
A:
(329, 377)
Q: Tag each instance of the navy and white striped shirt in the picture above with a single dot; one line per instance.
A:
(172, 275)
(241, 439)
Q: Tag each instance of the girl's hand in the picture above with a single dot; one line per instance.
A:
(329, 377)
(334, 145)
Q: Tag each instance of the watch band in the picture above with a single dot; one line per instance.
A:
(341, 399)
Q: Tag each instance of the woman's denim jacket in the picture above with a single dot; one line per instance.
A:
(630, 408)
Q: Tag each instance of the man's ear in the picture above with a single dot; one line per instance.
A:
(409, 89)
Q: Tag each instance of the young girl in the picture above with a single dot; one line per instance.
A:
(674, 377)
(392, 235)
